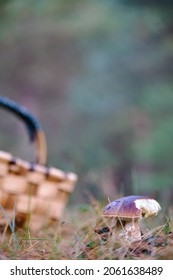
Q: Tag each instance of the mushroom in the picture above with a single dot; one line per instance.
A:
(126, 214)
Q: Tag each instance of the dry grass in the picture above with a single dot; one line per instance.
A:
(84, 235)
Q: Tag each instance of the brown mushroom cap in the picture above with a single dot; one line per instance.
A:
(133, 206)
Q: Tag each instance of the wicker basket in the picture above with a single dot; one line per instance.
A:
(38, 194)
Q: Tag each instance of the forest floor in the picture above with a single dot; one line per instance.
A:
(82, 234)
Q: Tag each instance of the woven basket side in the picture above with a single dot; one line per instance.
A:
(38, 193)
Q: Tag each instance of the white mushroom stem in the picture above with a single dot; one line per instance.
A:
(127, 231)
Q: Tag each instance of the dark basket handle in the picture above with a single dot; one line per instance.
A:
(35, 131)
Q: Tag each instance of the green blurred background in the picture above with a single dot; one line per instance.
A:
(98, 76)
